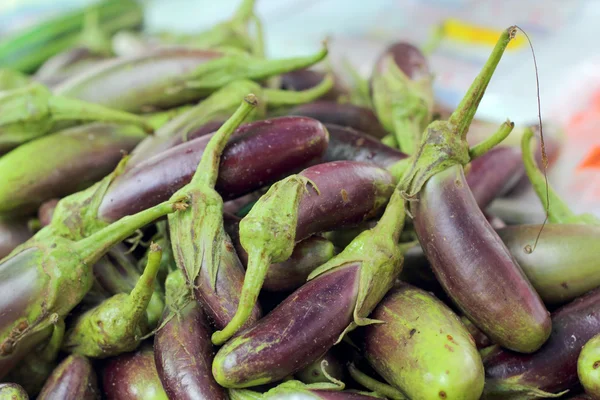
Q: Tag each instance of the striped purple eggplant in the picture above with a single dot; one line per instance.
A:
(318, 199)
(553, 368)
(467, 256)
(343, 114)
(258, 154)
(183, 351)
(73, 379)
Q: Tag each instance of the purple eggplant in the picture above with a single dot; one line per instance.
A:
(13, 232)
(183, 351)
(221, 104)
(62, 163)
(402, 91)
(317, 199)
(63, 65)
(346, 115)
(168, 77)
(258, 154)
(468, 258)
(338, 297)
(132, 376)
(201, 247)
(553, 368)
(73, 379)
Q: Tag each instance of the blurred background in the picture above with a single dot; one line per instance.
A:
(563, 34)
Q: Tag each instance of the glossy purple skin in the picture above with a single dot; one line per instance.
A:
(299, 331)
(155, 144)
(349, 144)
(408, 58)
(12, 234)
(304, 79)
(347, 115)
(73, 379)
(350, 192)
(183, 354)
(260, 153)
(132, 376)
(553, 368)
(139, 83)
(474, 266)
(495, 173)
(221, 304)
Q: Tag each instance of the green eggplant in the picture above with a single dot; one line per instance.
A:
(588, 367)
(12, 391)
(12, 79)
(422, 348)
(118, 324)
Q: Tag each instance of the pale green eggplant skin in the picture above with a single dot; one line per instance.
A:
(422, 348)
(588, 367)
(12, 391)
(565, 262)
(62, 163)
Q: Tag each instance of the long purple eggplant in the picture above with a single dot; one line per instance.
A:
(258, 154)
(183, 351)
(62, 163)
(161, 78)
(318, 199)
(73, 379)
(132, 376)
(338, 297)
(468, 258)
(553, 368)
(13, 232)
(63, 65)
(346, 115)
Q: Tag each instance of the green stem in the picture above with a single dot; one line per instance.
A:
(208, 170)
(139, 298)
(392, 220)
(65, 108)
(390, 141)
(158, 119)
(258, 264)
(408, 132)
(96, 245)
(558, 211)
(375, 385)
(50, 351)
(277, 97)
(398, 169)
(502, 133)
(434, 40)
(258, 45)
(465, 112)
(244, 12)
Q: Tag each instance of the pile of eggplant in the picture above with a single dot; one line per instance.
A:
(184, 218)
